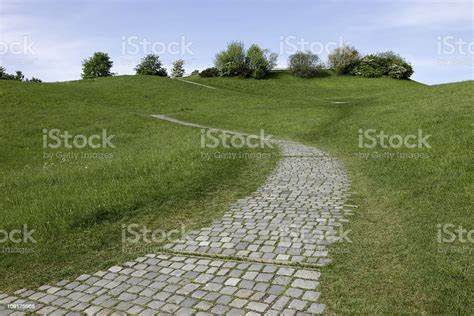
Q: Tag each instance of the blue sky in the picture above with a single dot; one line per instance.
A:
(49, 39)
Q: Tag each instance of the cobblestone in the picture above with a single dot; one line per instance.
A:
(290, 219)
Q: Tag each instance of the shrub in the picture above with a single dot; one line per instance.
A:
(343, 59)
(231, 62)
(259, 61)
(33, 79)
(151, 65)
(209, 72)
(18, 76)
(383, 64)
(178, 70)
(195, 72)
(305, 65)
(98, 65)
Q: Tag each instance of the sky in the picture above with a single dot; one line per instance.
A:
(50, 39)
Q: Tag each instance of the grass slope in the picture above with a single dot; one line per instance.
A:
(392, 265)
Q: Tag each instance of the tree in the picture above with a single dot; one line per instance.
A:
(3, 73)
(305, 65)
(19, 75)
(98, 65)
(151, 65)
(178, 70)
(231, 62)
(343, 59)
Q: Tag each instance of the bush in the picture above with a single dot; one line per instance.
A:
(151, 65)
(305, 65)
(209, 72)
(236, 61)
(343, 59)
(195, 72)
(178, 70)
(259, 61)
(98, 65)
(383, 64)
(18, 76)
(231, 62)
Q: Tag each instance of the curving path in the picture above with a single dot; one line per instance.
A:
(262, 257)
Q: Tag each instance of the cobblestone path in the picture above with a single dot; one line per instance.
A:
(262, 257)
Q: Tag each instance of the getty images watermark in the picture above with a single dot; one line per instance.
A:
(456, 238)
(213, 139)
(371, 139)
(57, 139)
(11, 241)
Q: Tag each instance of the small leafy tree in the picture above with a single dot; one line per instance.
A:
(178, 70)
(231, 62)
(19, 76)
(305, 65)
(151, 65)
(343, 59)
(98, 65)
(260, 61)
(195, 72)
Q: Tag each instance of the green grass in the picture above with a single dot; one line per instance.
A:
(392, 265)
(156, 178)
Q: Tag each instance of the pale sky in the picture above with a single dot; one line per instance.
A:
(49, 39)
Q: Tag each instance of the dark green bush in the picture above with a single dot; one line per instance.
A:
(306, 65)
(151, 65)
(209, 72)
(383, 64)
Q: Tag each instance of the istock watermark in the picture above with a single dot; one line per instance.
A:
(142, 239)
(135, 45)
(458, 239)
(213, 139)
(23, 47)
(371, 138)
(455, 51)
(55, 139)
(21, 52)
(17, 237)
(291, 44)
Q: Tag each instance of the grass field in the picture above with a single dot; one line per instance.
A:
(394, 263)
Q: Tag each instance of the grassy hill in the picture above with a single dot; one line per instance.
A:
(157, 177)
